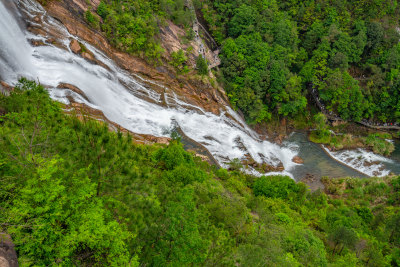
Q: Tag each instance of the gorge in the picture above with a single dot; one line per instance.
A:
(145, 106)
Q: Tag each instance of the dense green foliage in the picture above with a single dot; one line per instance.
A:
(132, 25)
(75, 193)
(272, 51)
(201, 65)
(377, 142)
(179, 60)
(91, 19)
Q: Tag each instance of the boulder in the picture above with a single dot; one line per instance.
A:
(8, 256)
(37, 19)
(298, 160)
(88, 56)
(75, 47)
(279, 139)
(280, 167)
(35, 42)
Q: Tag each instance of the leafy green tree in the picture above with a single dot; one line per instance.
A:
(179, 60)
(342, 237)
(55, 220)
(393, 226)
(201, 65)
(180, 241)
(91, 19)
(243, 21)
(275, 186)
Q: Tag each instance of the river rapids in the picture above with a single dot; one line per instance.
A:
(124, 99)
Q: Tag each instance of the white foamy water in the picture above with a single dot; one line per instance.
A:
(124, 100)
(364, 161)
(120, 96)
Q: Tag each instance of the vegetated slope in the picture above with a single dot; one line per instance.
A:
(74, 193)
(272, 51)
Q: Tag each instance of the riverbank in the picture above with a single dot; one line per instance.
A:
(379, 143)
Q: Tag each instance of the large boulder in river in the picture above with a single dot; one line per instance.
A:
(280, 167)
(298, 160)
(75, 47)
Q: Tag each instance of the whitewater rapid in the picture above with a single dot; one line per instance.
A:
(221, 135)
(364, 161)
(120, 96)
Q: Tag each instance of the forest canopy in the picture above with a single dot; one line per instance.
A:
(75, 193)
(274, 51)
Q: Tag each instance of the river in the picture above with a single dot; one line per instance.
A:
(119, 96)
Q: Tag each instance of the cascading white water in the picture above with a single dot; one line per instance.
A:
(120, 103)
(119, 95)
(15, 53)
(362, 160)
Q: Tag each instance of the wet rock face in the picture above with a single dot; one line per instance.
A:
(8, 256)
(262, 167)
(36, 42)
(81, 50)
(75, 47)
(37, 19)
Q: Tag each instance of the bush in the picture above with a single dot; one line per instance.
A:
(275, 186)
(102, 10)
(201, 65)
(186, 174)
(179, 61)
(365, 213)
(378, 145)
(91, 19)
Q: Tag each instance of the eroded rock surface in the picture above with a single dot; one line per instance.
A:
(70, 13)
(8, 256)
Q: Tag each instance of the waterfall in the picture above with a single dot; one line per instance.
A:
(15, 52)
(117, 94)
(121, 96)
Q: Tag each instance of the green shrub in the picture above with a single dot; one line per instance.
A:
(91, 19)
(102, 10)
(173, 155)
(283, 218)
(365, 213)
(275, 186)
(379, 145)
(201, 65)
(179, 61)
(185, 174)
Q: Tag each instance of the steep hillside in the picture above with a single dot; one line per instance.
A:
(75, 194)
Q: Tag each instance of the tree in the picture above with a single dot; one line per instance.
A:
(243, 22)
(344, 236)
(275, 186)
(180, 241)
(320, 123)
(201, 65)
(179, 61)
(55, 220)
(393, 227)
